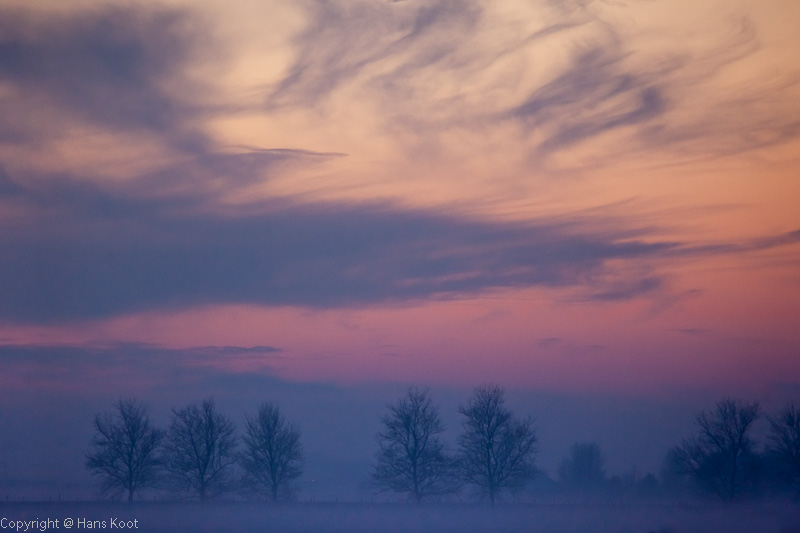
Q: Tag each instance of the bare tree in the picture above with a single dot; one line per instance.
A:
(584, 469)
(273, 456)
(721, 456)
(200, 450)
(784, 444)
(496, 450)
(411, 458)
(125, 449)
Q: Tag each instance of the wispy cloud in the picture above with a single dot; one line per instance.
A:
(595, 95)
(658, 101)
(379, 43)
(123, 70)
(112, 66)
(165, 237)
(441, 66)
(126, 365)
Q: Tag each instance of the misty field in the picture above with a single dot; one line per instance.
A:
(397, 518)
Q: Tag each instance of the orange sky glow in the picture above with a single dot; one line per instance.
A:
(460, 145)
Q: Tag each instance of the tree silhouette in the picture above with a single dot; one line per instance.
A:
(496, 450)
(125, 449)
(584, 468)
(200, 450)
(721, 456)
(784, 445)
(411, 458)
(273, 456)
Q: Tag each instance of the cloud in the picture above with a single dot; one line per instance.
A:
(125, 366)
(369, 41)
(753, 245)
(115, 67)
(121, 74)
(549, 342)
(595, 95)
(210, 175)
(629, 289)
(661, 101)
(431, 67)
(100, 254)
(165, 238)
(7, 186)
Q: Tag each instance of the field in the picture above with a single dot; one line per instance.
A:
(234, 517)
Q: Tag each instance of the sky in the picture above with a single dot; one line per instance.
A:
(591, 203)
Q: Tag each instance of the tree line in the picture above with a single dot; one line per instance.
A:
(722, 458)
(199, 455)
(196, 455)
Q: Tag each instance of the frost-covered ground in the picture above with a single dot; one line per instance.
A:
(385, 518)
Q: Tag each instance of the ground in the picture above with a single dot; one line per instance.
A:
(235, 517)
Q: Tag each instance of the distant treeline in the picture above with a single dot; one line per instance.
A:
(200, 455)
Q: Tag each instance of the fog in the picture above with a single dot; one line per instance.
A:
(47, 432)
